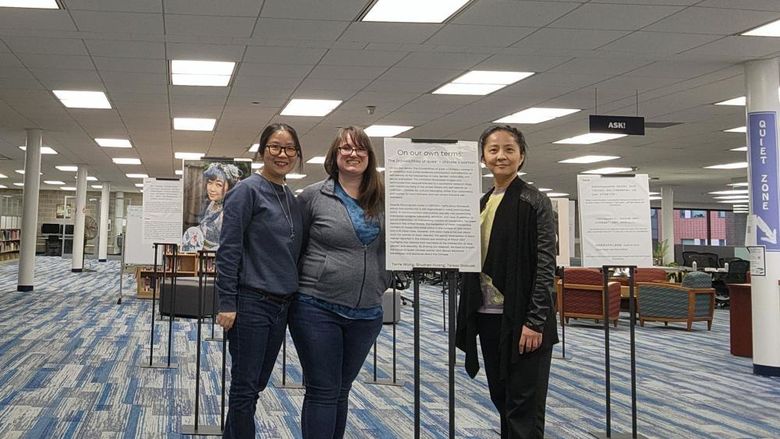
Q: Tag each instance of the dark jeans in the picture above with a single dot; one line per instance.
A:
(254, 342)
(520, 399)
(332, 350)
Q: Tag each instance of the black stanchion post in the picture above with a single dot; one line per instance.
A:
(608, 433)
(453, 299)
(172, 300)
(443, 303)
(155, 284)
(224, 369)
(284, 368)
(416, 275)
(562, 313)
(213, 271)
(197, 429)
(394, 381)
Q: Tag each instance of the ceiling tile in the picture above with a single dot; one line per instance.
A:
(658, 43)
(284, 30)
(365, 32)
(58, 46)
(36, 19)
(369, 58)
(443, 60)
(346, 72)
(152, 6)
(51, 61)
(283, 55)
(211, 26)
(713, 21)
(234, 8)
(135, 65)
(347, 10)
(113, 22)
(126, 49)
(479, 36)
(758, 5)
(614, 17)
(554, 39)
(514, 13)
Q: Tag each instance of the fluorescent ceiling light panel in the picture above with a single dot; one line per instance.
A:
(739, 184)
(590, 138)
(768, 30)
(487, 176)
(736, 130)
(521, 173)
(654, 193)
(310, 107)
(557, 194)
(97, 186)
(740, 149)
(67, 168)
(193, 123)
(295, 176)
(481, 82)
(545, 189)
(737, 102)
(468, 89)
(386, 130)
(413, 11)
(178, 172)
(113, 143)
(44, 150)
(68, 188)
(139, 185)
(201, 73)
(91, 178)
(254, 147)
(731, 201)
(189, 155)
(19, 184)
(257, 165)
(242, 159)
(83, 99)
(2, 186)
(736, 165)
(655, 198)
(316, 160)
(127, 161)
(590, 159)
(54, 182)
(730, 192)
(536, 115)
(608, 170)
(19, 171)
(32, 4)
(380, 169)
(137, 176)
(3, 176)
(298, 191)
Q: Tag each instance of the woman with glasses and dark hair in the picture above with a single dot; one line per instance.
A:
(262, 232)
(510, 303)
(337, 315)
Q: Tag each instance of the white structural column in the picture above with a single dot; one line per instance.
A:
(119, 216)
(77, 264)
(762, 78)
(32, 184)
(667, 222)
(103, 226)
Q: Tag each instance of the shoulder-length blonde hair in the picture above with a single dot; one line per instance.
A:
(372, 189)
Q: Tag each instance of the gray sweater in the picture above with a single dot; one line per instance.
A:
(335, 266)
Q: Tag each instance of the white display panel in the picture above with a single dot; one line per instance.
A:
(432, 205)
(615, 224)
(162, 211)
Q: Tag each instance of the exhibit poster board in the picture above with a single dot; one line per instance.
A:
(563, 213)
(162, 205)
(136, 251)
(432, 205)
(205, 183)
(615, 224)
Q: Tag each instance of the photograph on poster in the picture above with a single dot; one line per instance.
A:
(64, 211)
(205, 184)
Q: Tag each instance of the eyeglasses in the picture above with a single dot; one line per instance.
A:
(347, 150)
(276, 149)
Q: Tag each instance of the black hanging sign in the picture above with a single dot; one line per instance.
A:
(617, 124)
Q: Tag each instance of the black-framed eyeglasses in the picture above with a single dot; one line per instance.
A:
(276, 149)
(347, 150)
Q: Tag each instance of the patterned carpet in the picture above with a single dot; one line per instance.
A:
(70, 357)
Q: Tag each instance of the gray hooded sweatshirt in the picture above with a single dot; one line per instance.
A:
(335, 266)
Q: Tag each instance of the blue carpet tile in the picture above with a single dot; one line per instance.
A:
(70, 362)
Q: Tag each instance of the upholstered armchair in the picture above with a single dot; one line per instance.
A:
(583, 296)
(666, 303)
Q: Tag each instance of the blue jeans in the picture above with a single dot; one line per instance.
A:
(332, 350)
(254, 342)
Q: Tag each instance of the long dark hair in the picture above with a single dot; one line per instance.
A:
(514, 132)
(269, 131)
(372, 190)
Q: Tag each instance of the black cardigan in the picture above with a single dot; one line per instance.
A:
(521, 262)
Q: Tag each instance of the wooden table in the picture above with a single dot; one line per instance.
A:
(741, 320)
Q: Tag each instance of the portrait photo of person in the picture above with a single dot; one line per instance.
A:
(206, 182)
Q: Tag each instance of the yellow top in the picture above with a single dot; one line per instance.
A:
(492, 299)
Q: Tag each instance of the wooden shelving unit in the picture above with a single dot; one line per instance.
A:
(9, 244)
(186, 266)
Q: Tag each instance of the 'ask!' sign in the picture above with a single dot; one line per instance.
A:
(762, 135)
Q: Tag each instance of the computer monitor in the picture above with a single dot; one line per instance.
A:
(50, 229)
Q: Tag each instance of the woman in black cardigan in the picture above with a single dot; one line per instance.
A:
(510, 303)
